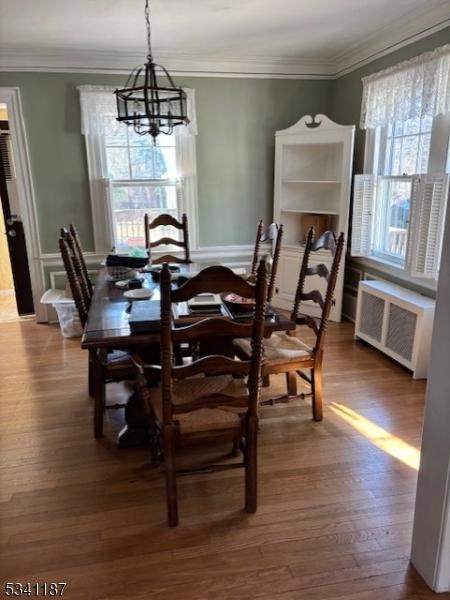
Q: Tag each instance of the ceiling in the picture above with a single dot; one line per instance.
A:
(319, 37)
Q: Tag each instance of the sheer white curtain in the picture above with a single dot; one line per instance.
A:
(98, 109)
(414, 88)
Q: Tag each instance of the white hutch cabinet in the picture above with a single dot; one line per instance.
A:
(313, 168)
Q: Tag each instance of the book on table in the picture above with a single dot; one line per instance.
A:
(145, 316)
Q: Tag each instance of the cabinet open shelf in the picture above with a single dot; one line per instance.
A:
(309, 212)
(318, 181)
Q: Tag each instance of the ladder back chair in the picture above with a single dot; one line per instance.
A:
(272, 265)
(164, 221)
(73, 277)
(77, 245)
(285, 353)
(208, 399)
(104, 368)
(79, 265)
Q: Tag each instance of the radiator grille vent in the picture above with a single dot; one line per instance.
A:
(371, 321)
(401, 330)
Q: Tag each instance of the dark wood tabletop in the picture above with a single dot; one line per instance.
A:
(107, 325)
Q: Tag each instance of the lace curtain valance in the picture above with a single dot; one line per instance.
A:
(414, 88)
(99, 110)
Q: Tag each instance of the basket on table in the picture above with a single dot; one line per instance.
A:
(121, 273)
(124, 267)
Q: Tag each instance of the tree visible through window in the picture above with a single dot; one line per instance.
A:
(143, 180)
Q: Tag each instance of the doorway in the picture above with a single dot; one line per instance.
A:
(16, 298)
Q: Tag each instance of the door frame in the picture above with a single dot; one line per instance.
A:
(26, 195)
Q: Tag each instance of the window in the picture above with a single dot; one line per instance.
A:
(401, 153)
(143, 179)
(402, 150)
(407, 146)
(131, 175)
(397, 203)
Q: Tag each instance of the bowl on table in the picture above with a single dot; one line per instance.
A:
(239, 304)
(138, 294)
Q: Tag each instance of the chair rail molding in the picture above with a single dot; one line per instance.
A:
(205, 253)
(26, 195)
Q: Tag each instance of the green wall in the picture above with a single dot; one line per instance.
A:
(237, 119)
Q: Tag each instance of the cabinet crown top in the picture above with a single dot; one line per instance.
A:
(310, 123)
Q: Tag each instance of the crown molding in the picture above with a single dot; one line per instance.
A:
(380, 44)
(178, 63)
(393, 38)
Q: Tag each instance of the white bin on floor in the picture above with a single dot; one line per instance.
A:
(68, 318)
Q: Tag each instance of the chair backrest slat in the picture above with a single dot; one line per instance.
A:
(326, 242)
(315, 296)
(166, 241)
(166, 220)
(212, 365)
(211, 280)
(212, 326)
(320, 270)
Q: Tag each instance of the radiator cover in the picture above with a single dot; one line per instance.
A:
(396, 321)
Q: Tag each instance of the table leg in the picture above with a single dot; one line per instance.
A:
(97, 358)
(136, 430)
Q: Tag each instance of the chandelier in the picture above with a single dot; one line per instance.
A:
(147, 104)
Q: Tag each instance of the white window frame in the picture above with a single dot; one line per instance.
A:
(99, 186)
(438, 162)
(439, 148)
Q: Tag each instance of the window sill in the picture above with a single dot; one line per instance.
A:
(392, 264)
(391, 270)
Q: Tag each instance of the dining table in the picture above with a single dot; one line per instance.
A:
(108, 329)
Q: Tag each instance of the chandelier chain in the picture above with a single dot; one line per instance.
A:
(149, 31)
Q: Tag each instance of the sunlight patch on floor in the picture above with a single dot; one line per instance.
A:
(381, 438)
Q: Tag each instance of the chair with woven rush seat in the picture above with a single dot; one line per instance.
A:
(113, 367)
(208, 399)
(285, 353)
(166, 221)
(273, 232)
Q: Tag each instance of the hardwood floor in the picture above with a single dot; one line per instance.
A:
(8, 308)
(335, 504)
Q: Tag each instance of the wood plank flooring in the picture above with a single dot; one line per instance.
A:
(335, 509)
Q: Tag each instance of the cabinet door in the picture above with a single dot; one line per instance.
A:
(288, 272)
(288, 275)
